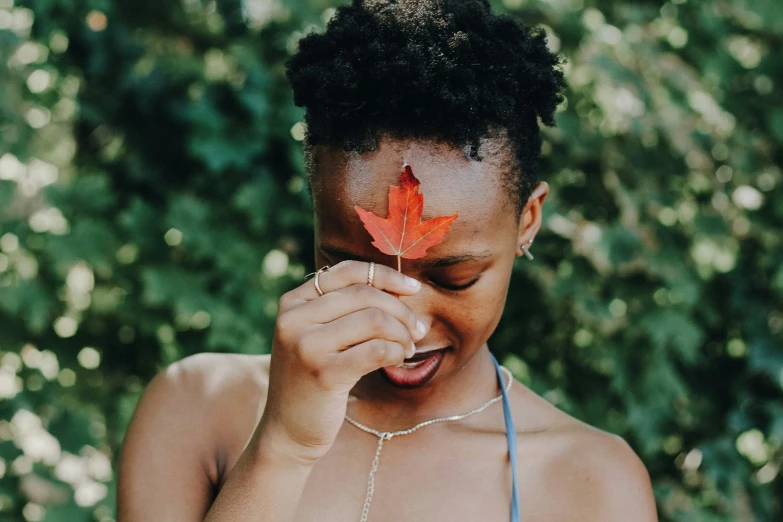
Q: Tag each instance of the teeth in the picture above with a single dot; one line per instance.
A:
(412, 365)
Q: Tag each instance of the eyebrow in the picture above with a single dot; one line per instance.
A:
(438, 262)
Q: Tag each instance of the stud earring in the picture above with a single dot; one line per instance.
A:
(526, 251)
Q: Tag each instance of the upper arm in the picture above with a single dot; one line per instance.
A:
(616, 484)
(164, 465)
(601, 479)
(624, 489)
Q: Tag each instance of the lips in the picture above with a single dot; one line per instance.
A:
(418, 375)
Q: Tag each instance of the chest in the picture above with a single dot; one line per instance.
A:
(420, 477)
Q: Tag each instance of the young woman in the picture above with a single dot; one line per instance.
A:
(381, 400)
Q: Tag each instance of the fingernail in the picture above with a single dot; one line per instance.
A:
(411, 282)
(421, 328)
(412, 351)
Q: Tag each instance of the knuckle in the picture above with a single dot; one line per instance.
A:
(307, 346)
(286, 302)
(377, 319)
(348, 265)
(285, 324)
(379, 351)
(356, 266)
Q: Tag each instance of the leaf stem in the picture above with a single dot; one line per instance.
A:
(399, 264)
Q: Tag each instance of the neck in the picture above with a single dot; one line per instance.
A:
(385, 407)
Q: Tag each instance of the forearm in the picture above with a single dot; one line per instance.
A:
(264, 486)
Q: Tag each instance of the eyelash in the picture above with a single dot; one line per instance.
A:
(455, 289)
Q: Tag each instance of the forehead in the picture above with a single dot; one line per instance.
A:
(450, 182)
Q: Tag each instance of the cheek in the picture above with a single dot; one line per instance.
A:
(474, 316)
(491, 296)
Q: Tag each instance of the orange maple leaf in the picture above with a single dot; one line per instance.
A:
(403, 233)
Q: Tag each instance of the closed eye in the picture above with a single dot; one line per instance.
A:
(455, 289)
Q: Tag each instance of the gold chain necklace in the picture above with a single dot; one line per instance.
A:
(386, 435)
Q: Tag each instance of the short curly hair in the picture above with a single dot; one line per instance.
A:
(448, 71)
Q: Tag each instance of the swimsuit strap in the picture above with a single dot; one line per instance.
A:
(511, 435)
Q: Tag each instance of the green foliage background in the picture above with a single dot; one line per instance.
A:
(153, 205)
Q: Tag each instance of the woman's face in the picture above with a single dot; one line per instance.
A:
(464, 278)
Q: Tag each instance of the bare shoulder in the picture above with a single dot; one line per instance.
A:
(169, 461)
(230, 390)
(603, 476)
(202, 403)
(584, 473)
(213, 364)
(213, 375)
(207, 383)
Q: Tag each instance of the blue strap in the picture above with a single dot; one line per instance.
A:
(511, 435)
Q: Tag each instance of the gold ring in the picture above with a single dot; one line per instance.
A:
(311, 274)
(372, 273)
(315, 279)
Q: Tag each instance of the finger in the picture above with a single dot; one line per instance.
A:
(353, 298)
(368, 357)
(347, 273)
(361, 326)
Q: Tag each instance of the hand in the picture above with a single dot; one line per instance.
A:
(324, 344)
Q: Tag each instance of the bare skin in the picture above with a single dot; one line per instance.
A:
(212, 436)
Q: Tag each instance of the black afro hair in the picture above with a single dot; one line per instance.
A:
(444, 70)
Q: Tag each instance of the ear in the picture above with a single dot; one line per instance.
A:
(531, 216)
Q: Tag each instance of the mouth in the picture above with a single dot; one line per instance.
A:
(415, 371)
(421, 356)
